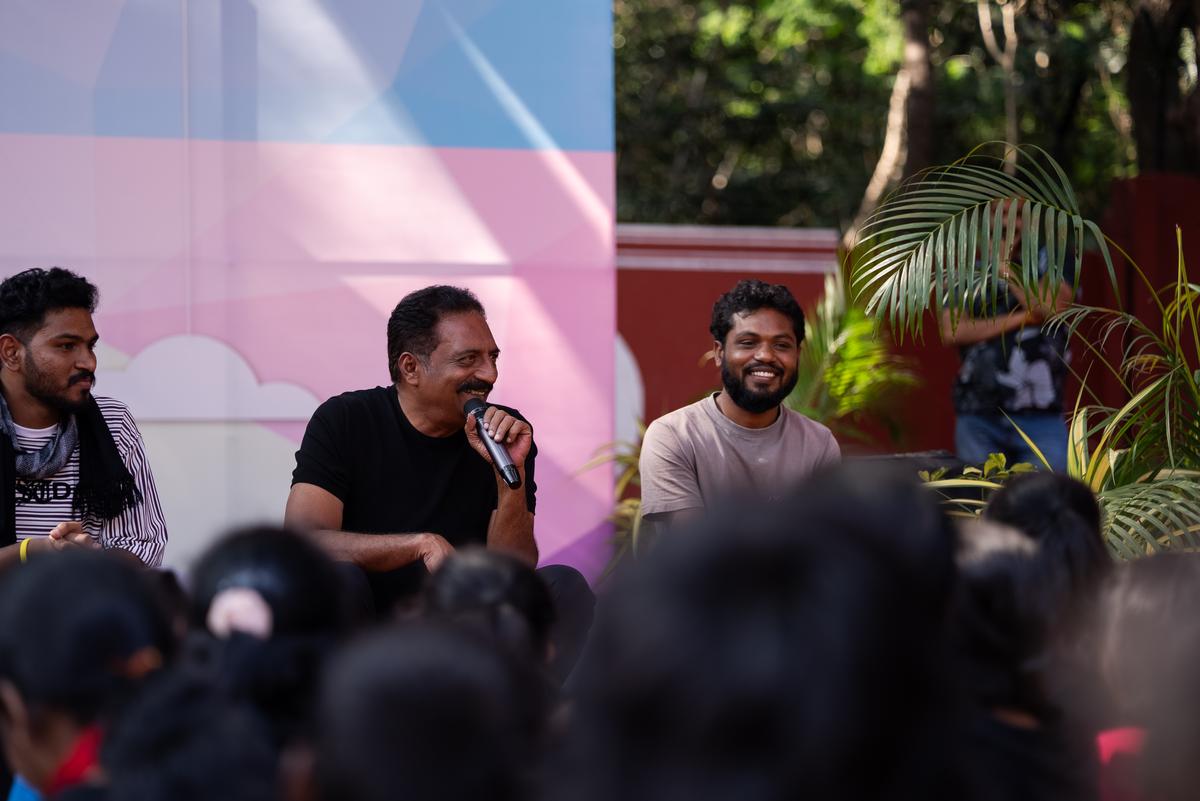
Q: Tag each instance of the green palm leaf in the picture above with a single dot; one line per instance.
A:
(942, 239)
(1159, 427)
(846, 367)
(1151, 516)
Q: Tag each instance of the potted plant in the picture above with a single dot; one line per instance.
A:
(942, 242)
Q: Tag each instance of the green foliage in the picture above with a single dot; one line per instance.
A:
(880, 28)
(626, 516)
(944, 238)
(1143, 459)
(771, 112)
(746, 112)
(847, 370)
(1157, 432)
(1149, 516)
(966, 495)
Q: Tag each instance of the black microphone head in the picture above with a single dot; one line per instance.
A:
(474, 405)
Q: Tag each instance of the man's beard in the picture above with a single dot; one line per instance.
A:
(751, 400)
(41, 387)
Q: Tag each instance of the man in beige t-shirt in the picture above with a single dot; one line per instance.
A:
(741, 439)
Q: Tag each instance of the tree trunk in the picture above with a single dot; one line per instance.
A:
(1061, 150)
(1006, 57)
(908, 139)
(1166, 123)
(915, 14)
(891, 158)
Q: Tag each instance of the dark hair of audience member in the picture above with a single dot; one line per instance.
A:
(1024, 740)
(775, 652)
(272, 607)
(428, 712)
(1003, 612)
(186, 739)
(79, 631)
(1149, 656)
(891, 513)
(1060, 514)
(27, 297)
(296, 579)
(497, 595)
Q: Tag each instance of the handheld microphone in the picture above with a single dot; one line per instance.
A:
(499, 453)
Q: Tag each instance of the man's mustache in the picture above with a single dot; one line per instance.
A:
(475, 386)
(83, 375)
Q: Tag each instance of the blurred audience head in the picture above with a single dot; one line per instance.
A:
(428, 712)
(266, 582)
(496, 595)
(777, 652)
(269, 608)
(185, 739)
(1061, 515)
(1002, 621)
(1149, 656)
(79, 631)
(1149, 646)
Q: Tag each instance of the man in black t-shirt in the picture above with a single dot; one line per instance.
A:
(393, 479)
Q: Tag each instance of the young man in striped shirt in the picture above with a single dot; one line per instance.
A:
(73, 472)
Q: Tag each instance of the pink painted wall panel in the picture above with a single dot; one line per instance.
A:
(292, 256)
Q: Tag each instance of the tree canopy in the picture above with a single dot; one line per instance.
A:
(775, 112)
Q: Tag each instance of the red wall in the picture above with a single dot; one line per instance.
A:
(1141, 218)
(926, 414)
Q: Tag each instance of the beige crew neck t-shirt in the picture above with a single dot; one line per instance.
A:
(696, 454)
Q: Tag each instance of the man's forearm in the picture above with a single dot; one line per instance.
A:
(967, 331)
(371, 552)
(511, 526)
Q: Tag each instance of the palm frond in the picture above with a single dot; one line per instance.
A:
(1145, 517)
(942, 239)
(1033, 446)
(940, 242)
(847, 367)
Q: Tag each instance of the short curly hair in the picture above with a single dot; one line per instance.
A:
(750, 295)
(411, 328)
(27, 297)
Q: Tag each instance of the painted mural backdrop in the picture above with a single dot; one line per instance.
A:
(253, 186)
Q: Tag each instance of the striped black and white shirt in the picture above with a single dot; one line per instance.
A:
(41, 504)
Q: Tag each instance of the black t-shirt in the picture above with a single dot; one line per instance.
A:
(392, 479)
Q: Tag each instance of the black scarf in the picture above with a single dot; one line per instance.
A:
(105, 489)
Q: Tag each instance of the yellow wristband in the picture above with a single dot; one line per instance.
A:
(24, 550)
